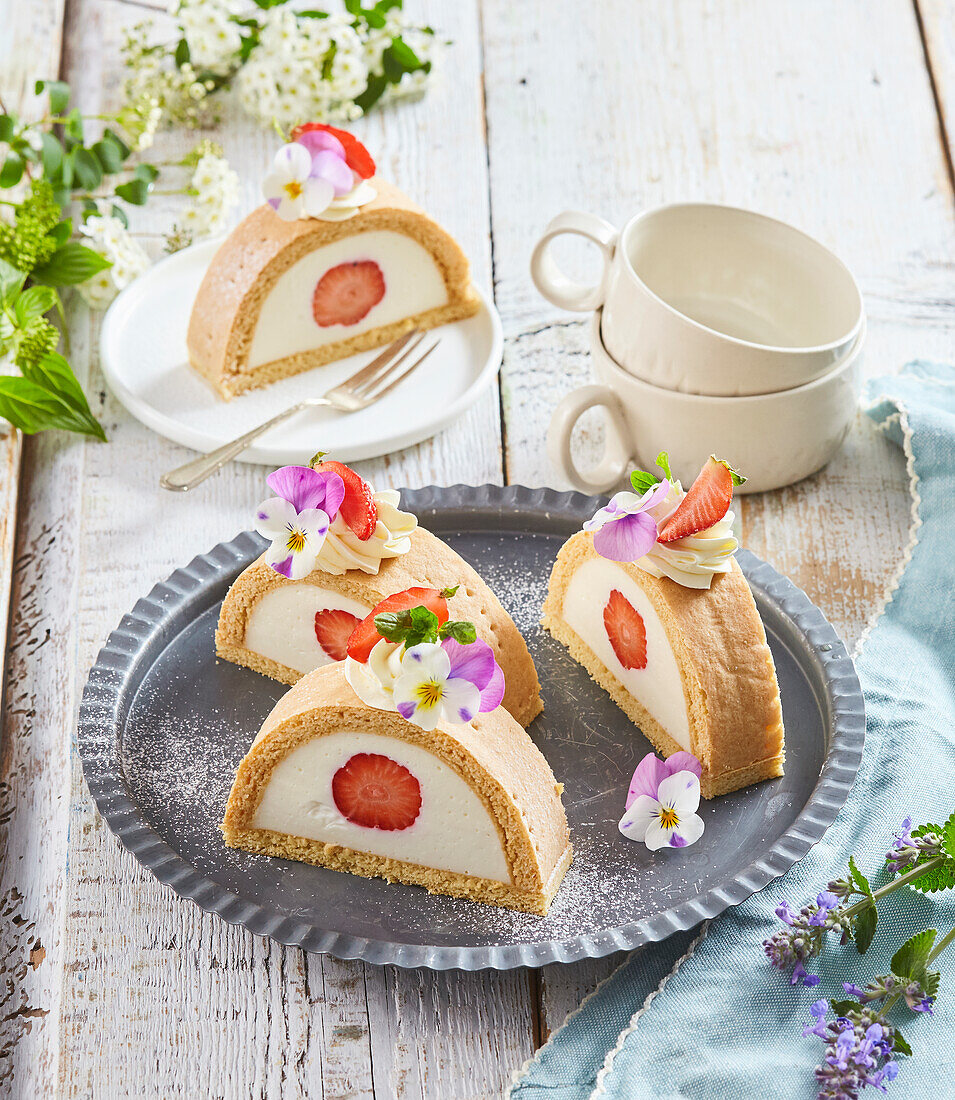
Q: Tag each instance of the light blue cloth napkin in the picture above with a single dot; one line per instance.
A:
(725, 1024)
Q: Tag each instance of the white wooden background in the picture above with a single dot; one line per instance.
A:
(830, 115)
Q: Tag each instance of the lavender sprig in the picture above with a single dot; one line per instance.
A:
(862, 1044)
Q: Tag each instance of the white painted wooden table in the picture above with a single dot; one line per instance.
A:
(832, 116)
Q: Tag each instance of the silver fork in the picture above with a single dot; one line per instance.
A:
(365, 386)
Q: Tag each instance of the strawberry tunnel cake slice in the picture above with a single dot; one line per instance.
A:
(650, 600)
(406, 768)
(337, 261)
(339, 551)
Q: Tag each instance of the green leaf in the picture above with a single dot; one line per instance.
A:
(843, 1008)
(865, 927)
(663, 461)
(947, 833)
(55, 374)
(404, 55)
(424, 626)
(86, 168)
(119, 213)
(642, 481)
(374, 90)
(12, 171)
(33, 303)
(941, 877)
(910, 959)
(900, 1045)
(70, 264)
(135, 191)
(145, 172)
(462, 632)
(59, 92)
(929, 982)
(447, 593)
(11, 282)
(66, 175)
(8, 124)
(111, 135)
(182, 53)
(859, 878)
(109, 156)
(73, 126)
(34, 408)
(51, 156)
(61, 232)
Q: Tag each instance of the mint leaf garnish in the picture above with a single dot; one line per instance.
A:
(462, 632)
(663, 461)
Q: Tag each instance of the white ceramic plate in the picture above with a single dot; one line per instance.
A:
(143, 355)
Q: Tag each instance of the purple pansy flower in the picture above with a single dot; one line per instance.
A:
(296, 520)
(447, 680)
(662, 802)
(328, 160)
(623, 529)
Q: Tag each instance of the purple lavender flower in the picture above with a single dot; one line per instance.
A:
(907, 849)
(856, 1044)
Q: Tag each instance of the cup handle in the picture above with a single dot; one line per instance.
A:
(552, 282)
(616, 459)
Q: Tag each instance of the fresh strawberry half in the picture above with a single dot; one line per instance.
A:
(357, 156)
(358, 509)
(366, 636)
(705, 504)
(333, 628)
(347, 292)
(625, 629)
(377, 792)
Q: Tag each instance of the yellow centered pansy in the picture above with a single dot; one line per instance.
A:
(295, 543)
(293, 189)
(429, 693)
(668, 817)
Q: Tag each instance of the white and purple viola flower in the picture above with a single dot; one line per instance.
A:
(662, 802)
(447, 680)
(624, 530)
(297, 518)
(307, 176)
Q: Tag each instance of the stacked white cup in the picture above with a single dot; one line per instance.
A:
(714, 330)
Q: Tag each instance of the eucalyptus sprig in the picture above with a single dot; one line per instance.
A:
(862, 1041)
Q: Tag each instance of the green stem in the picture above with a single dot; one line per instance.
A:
(896, 884)
(941, 945)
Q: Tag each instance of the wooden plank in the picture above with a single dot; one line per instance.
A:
(197, 1007)
(785, 108)
(33, 747)
(937, 24)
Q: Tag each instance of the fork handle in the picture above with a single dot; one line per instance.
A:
(193, 473)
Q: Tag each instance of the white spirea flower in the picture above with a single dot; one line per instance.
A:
(211, 33)
(107, 235)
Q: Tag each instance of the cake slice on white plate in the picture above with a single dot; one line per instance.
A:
(650, 600)
(335, 262)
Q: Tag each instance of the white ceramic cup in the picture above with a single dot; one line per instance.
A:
(774, 438)
(710, 299)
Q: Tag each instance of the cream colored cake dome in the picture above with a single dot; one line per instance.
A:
(337, 550)
(650, 600)
(401, 763)
(337, 261)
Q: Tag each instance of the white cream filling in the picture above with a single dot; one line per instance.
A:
(453, 831)
(281, 624)
(657, 686)
(286, 324)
